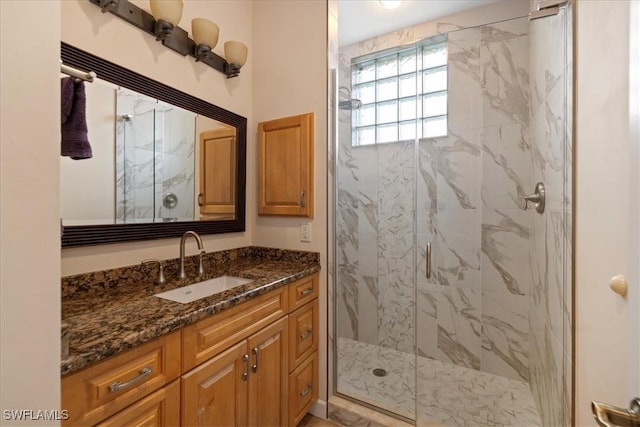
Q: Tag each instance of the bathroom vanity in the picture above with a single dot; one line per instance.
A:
(243, 356)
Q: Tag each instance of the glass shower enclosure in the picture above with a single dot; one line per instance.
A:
(452, 294)
(155, 159)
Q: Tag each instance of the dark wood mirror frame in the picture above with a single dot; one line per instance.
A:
(100, 234)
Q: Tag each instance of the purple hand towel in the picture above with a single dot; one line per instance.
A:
(75, 141)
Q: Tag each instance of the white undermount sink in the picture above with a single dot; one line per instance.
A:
(190, 293)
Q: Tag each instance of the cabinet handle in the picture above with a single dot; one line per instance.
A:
(307, 391)
(117, 386)
(306, 292)
(254, 368)
(302, 198)
(306, 334)
(245, 374)
(200, 196)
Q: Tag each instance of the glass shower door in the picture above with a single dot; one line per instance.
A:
(493, 332)
(375, 229)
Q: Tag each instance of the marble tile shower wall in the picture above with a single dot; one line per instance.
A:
(549, 305)
(474, 312)
(153, 158)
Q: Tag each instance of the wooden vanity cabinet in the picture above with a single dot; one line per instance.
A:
(160, 408)
(243, 385)
(99, 391)
(254, 364)
(303, 347)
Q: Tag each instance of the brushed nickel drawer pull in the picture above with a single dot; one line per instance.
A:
(245, 374)
(306, 334)
(254, 368)
(306, 292)
(304, 393)
(117, 386)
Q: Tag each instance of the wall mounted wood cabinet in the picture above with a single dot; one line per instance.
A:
(285, 166)
(217, 197)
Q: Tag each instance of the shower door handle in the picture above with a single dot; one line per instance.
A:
(428, 256)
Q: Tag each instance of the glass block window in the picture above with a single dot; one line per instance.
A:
(403, 95)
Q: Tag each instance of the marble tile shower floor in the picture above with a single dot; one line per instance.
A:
(448, 395)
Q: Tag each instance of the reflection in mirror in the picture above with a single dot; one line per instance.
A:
(146, 163)
(164, 162)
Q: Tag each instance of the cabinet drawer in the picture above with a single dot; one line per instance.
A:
(161, 408)
(302, 291)
(303, 333)
(95, 393)
(303, 388)
(210, 336)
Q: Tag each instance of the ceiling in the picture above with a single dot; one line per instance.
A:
(363, 19)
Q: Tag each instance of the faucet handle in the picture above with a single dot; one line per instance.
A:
(161, 279)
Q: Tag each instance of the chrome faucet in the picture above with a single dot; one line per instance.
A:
(183, 239)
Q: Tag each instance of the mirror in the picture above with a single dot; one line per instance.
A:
(164, 161)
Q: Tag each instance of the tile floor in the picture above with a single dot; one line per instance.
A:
(448, 395)
(312, 421)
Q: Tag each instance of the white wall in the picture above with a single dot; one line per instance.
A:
(78, 200)
(29, 229)
(85, 27)
(290, 77)
(606, 187)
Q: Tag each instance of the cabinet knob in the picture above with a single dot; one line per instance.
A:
(619, 285)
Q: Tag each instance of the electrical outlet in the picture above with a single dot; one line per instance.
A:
(305, 232)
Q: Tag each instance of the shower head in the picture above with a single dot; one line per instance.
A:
(349, 103)
(126, 117)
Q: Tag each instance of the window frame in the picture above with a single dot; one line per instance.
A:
(419, 95)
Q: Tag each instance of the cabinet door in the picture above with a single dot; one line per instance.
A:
(159, 409)
(286, 166)
(303, 388)
(303, 333)
(215, 393)
(218, 173)
(268, 377)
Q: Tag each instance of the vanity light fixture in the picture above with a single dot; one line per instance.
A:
(236, 54)
(167, 14)
(163, 22)
(205, 34)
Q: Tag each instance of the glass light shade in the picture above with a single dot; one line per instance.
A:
(205, 32)
(235, 53)
(167, 10)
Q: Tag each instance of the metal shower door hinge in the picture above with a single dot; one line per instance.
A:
(547, 8)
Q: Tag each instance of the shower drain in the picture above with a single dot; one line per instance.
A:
(379, 372)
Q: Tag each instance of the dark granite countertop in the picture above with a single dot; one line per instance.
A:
(110, 311)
